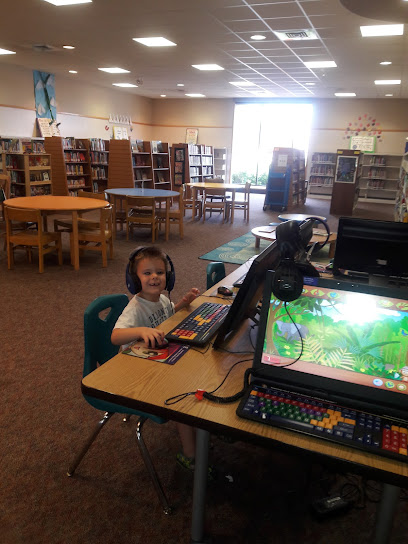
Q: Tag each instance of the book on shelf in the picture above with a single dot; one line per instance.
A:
(154, 146)
(144, 176)
(159, 162)
(45, 176)
(138, 174)
(139, 146)
(159, 147)
(160, 177)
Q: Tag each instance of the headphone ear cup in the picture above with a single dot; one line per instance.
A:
(132, 281)
(287, 283)
(170, 276)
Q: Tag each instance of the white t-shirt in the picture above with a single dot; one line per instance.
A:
(143, 313)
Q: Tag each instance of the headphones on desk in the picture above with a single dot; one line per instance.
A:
(133, 281)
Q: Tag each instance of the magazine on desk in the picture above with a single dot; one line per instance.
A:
(168, 355)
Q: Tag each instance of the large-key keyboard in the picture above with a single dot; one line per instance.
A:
(199, 327)
(276, 407)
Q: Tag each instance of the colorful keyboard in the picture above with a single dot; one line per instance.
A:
(361, 430)
(199, 327)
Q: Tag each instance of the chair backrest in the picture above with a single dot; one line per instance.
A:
(215, 273)
(247, 190)
(22, 215)
(98, 329)
(5, 183)
(144, 204)
(215, 180)
(88, 194)
(213, 192)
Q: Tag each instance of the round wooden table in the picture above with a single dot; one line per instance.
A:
(200, 185)
(158, 194)
(57, 204)
(269, 233)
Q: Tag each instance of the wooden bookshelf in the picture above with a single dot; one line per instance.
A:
(120, 172)
(30, 173)
(220, 163)
(161, 165)
(346, 182)
(142, 164)
(99, 158)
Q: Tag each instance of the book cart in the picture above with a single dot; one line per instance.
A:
(286, 185)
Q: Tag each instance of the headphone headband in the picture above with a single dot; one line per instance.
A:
(132, 279)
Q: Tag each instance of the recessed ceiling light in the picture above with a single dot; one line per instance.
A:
(158, 41)
(320, 64)
(386, 62)
(387, 82)
(207, 67)
(7, 52)
(67, 2)
(68, 47)
(382, 30)
(344, 94)
(310, 84)
(258, 37)
(287, 35)
(195, 95)
(72, 71)
(392, 94)
(114, 70)
(242, 83)
(124, 85)
(180, 84)
(163, 95)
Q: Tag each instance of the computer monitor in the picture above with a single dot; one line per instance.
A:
(371, 247)
(355, 344)
(246, 300)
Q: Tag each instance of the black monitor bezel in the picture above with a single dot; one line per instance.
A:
(337, 391)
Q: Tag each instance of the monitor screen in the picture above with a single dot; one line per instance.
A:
(245, 303)
(372, 247)
(355, 343)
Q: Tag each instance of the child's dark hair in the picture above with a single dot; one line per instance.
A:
(148, 252)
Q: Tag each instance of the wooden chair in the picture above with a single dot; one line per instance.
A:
(96, 239)
(66, 224)
(211, 204)
(176, 215)
(188, 201)
(5, 183)
(242, 204)
(141, 212)
(29, 237)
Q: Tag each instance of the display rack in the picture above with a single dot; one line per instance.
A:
(286, 186)
(380, 176)
(191, 163)
(401, 207)
(142, 164)
(346, 182)
(321, 174)
(220, 163)
(99, 157)
(161, 165)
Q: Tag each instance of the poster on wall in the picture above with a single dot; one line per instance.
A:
(191, 136)
(44, 93)
(363, 143)
(47, 127)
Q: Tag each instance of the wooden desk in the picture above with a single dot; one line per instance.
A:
(232, 187)
(147, 385)
(269, 233)
(57, 204)
(159, 195)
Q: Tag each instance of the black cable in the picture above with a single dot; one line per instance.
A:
(301, 341)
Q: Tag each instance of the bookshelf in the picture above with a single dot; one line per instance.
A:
(346, 182)
(161, 165)
(220, 163)
(191, 163)
(99, 158)
(142, 164)
(401, 207)
(321, 174)
(28, 165)
(286, 186)
(380, 176)
(120, 172)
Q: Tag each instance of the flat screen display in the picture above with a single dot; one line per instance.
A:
(355, 341)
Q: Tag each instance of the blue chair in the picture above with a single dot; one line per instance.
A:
(98, 350)
(215, 273)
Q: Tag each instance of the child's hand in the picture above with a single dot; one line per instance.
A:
(151, 337)
(191, 295)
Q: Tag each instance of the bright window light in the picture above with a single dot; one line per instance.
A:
(207, 67)
(6, 52)
(124, 85)
(344, 94)
(114, 70)
(382, 30)
(195, 95)
(158, 41)
(67, 2)
(320, 64)
(258, 37)
(242, 83)
(387, 82)
(386, 62)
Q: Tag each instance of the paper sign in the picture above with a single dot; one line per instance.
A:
(282, 161)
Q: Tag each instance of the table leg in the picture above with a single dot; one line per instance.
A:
(385, 513)
(200, 486)
(332, 248)
(257, 241)
(167, 219)
(233, 206)
(194, 198)
(75, 247)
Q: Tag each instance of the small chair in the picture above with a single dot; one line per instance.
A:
(176, 215)
(5, 183)
(96, 235)
(241, 204)
(98, 350)
(141, 212)
(214, 200)
(46, 242)
(188, 201)
(66, 225)
(215, 273)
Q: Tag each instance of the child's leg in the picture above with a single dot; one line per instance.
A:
(187, 436)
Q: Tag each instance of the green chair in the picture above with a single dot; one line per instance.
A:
(215, 273)
(98, 350)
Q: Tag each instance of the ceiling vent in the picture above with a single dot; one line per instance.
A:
(43, 48)
(287, 35)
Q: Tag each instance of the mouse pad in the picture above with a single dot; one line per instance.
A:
(168, 355)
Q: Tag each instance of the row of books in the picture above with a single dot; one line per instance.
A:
(207, 170)
(39, 176)
(40, 190)
(140, 160)
(97, 144)
(141, 175)
(194, 149)
(99, 172)
(324, 157)
(323, 170)
(101, 158)
(77, 183)
(38, 160)
(74, 169)
(72, 143)
(23, 145)
(321, 181)
(206, 160)
(75, 156)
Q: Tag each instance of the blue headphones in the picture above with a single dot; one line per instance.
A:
(132, 280)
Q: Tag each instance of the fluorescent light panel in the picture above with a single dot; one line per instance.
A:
(124, 85)
(387, 82)
(208, 67)
(386, 62)
(67, 2)
(242, 83)
(158, 41)
(114, 70)
(382, 30)
(6, 52)
(320, 64)
(259, 37)
(72, 71)
(344, 94)
(195, 95)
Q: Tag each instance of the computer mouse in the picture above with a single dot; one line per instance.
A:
(163, 344)
(224, 291)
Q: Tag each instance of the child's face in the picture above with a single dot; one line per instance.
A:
(152, 275)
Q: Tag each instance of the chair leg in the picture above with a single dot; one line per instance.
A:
(149, 465)
(72, 468)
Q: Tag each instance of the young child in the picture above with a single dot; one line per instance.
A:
(149, 272)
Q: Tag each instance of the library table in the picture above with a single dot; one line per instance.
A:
(59, 204)
(147, 384)
(231, 187)
(159, 194)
